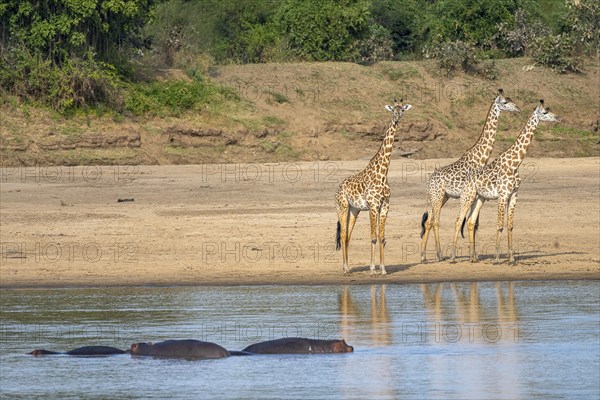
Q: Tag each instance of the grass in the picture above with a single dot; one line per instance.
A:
(559, 133)
(272, 121)
(276, 97)
(72, 131)
(395, 74)
(173, 98)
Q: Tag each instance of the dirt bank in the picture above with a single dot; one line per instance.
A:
(309, 111)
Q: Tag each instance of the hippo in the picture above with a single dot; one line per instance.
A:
(293, 345)
(83, 351)
(188, 349)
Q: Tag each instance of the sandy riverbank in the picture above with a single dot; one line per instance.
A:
(240, 224)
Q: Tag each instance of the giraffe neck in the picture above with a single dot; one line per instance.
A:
(381, 160)
(514, 155)
(482, 149)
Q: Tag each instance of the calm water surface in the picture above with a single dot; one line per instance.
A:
(518, 340)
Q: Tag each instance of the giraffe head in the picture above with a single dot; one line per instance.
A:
(398, 110)
(544, 113)
(505, 103)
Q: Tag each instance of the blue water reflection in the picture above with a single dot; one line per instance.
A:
(447, 340)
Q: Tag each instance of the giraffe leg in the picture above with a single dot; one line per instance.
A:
(500, 225)
(436, 228)
(435, 199)
(373, 214)
(466, 200)
(343, 211)
(512, 202)
(471, 223)
(352, 216)
(382, 217)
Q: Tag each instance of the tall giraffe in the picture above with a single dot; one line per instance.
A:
(368, 190)
(449, 181)
(498, 180)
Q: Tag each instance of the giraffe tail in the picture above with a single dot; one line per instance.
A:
(338, 241)
(423, 220)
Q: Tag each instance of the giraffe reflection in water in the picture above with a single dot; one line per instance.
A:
(467, 311)
(379, 319)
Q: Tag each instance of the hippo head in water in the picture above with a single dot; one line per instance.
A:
(340, 346)
(137, 349)
(42, 352)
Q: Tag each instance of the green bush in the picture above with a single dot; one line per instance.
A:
(245, 32)
(467, 21)
(324, 30)
(583, 25)
(454, 56)
(78, 83)
(555, 51)
(517, 38)
(378, 45)
(59, 30)
(173, 97)
(405, 20)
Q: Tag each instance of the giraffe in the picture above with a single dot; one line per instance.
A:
(368, 190)
(498, 180)
(449, 181)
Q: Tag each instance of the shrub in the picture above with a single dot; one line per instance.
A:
(554, 51)
(452, 56)
(78, 83)
(378, 46)
(172, 97)
(467, 21)
(583, 22)
(517, 38)
(324, 30)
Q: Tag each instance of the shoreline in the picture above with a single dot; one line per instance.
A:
(582, 278)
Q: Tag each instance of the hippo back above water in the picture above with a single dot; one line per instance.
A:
(299, 346)
(189, 349)
(83, 351)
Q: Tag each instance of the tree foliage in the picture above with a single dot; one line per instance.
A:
(324, 30)
(57, 30)
(71, 54)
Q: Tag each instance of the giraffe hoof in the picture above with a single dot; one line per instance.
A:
(383, 272)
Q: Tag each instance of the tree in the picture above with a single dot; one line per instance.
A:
(471, 21)
(56, 30)
(324, 30)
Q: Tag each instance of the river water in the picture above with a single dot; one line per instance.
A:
(518, 340)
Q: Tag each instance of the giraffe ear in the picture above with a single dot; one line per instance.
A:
(389, 108)
(407, 107)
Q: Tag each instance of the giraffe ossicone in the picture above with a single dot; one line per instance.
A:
(368, 190)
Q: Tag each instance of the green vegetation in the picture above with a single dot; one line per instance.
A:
(91, 54)
(173, 97)
(276, 97)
